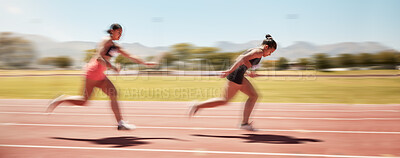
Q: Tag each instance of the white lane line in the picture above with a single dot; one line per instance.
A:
(200, 128)
(216, 109)
(184, 116)
(186, 151)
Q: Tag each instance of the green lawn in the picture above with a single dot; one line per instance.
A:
(272, 89)
(39, 72)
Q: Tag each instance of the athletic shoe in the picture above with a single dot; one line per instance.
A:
(248, 127)
(52, 105)
(122, 125)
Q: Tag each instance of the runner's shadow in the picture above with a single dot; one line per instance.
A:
(265, 138)
(118, 142)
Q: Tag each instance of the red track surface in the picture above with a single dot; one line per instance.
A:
(287, 130)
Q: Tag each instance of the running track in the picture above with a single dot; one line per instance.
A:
(286, 130)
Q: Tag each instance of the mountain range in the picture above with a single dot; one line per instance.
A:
(46, 47)
(306, 49)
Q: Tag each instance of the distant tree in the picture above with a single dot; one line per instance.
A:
(89, 54)
(346, 60)
(283, 63)
(15, 51)
(63, 61)
(169, 58)
(398, 58)
(321, 61)
(149, 58)
(218, 61)
(208, 58)
(365, 59)
(46, 61)
(123, 60)
(182, 50)
(202, 51)
(335, 62)
(269, 64)
(304, 62)
(387, 58)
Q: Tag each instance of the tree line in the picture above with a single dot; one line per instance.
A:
(16, 52)
(322, 61)
(188, 57)
(184, 56)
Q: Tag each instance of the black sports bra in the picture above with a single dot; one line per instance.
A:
(254, 61)
(110, 49)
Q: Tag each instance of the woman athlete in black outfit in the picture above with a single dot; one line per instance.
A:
(237, 81)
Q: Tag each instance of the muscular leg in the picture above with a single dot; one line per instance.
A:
(76, 100)
(249, 90)
(231, 89)
(108, 88)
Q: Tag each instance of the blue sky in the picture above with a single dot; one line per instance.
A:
(204, 22)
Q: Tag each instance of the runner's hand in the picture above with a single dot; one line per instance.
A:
(252, 74)
(150, 64)
(117, 68)
(224, 74)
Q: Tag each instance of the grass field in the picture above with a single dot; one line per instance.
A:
(39, 72)
(170, 88)
(313, 72)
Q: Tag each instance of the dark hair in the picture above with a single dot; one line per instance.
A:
(269, 41)
(114, 26)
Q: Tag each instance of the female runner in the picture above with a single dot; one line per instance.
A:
(95, 76)
(237, 81)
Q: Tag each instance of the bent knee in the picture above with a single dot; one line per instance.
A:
(224, 101)
(254, 96)
(113, 96)
(112, 93)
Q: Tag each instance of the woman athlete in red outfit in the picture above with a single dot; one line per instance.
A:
(95, 76)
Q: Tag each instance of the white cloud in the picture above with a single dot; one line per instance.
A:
(13, 10)
(10, 8)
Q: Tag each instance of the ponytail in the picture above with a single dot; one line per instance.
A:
(114, 26)
(269, 41)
